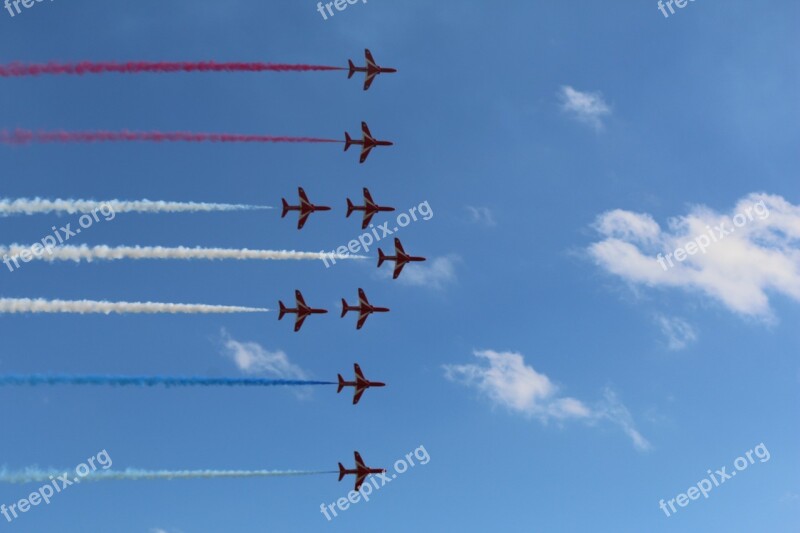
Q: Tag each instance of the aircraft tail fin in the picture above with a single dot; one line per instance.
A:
(341, 471)
(348, 141)
(352, 68)
(285, 207)
(282, 310)
(341, 383)
(381, 257)
(345, 307)
(350, 208)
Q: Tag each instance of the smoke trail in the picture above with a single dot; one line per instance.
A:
(135, 67)
(108, 253)
(35, 475)
(39, 305)
(151, 381)
(32, 206)
(21, 136)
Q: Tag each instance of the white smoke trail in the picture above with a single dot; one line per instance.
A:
(39, 305)
(34, 475)
(32, 206)
(109, 253)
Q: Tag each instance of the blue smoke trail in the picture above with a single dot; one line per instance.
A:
(151, 381)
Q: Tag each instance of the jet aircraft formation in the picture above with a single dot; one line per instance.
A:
(305, 208)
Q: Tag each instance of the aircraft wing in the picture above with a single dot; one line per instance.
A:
(361, 319)
(298, 323)
(302, 220)
(359, 461)
(369, 79)
(365, 153)
(398, 247)
(398, 267)
(359, 373)
(365, 131)
(367, 219)
(362, 297)
(298, 296)
(360, 480)
(370, 59)
(303, 198)
(357, 396)
(368, 198)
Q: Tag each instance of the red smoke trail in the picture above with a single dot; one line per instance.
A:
(27, 136)
(134, 67)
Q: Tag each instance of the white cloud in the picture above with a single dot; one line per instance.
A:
(481, 215)
(508, 382)
(759, 252)
(435, 273)
(678, 332)
(252, 358)
(589, 108)
(612, 409)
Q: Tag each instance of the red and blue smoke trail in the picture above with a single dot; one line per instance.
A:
(136, 67)
(150, 381)
(22, 136)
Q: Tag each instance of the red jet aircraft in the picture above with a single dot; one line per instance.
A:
(360, 384)
(364, 308)
(361, 471)
(367, 143)
(305, 208)
(302, 311)
(369, 208)
(400, 258)
(371, 70)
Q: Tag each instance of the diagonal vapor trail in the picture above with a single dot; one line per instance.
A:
(33, 206)
(109, 253)
(23, 136)
(39, 305)
(34, 380)
(18, 69)
(36, 475)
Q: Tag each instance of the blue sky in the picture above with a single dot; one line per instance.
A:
(559, 379)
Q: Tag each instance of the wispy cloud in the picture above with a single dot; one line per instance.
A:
(481, 215)
(737, 269)
(505, 379)
(790, 497)
(252, 358)
(435, 273)
(586, 107)
(679, 332)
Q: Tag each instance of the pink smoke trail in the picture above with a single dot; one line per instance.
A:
(21, 136)
(134, 67)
